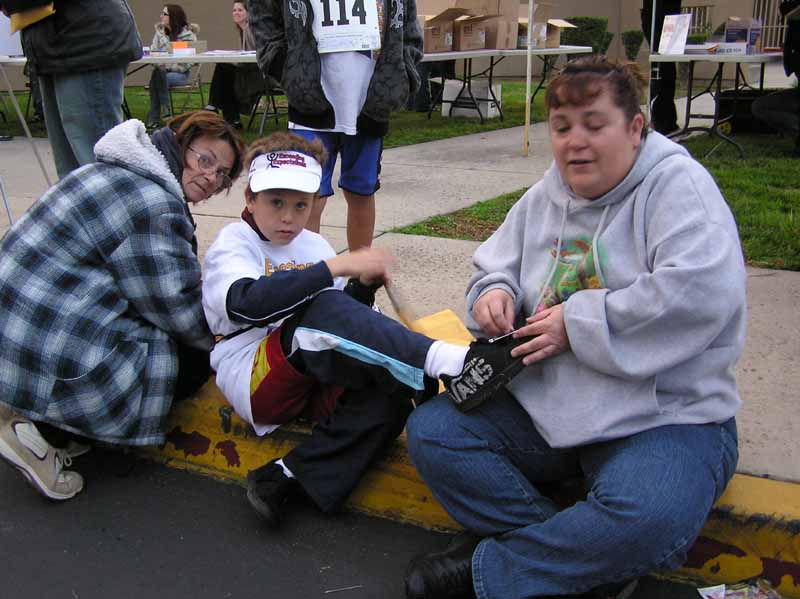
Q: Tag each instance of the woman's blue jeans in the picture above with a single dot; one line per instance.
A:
(160, 82)
(649, 495)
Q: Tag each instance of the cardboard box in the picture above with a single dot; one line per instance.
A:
(504, 8)
(545, 34)
(199, 46)
(480, 89)
(469, 33)
(438, 30)
(501, 33)
(748, 30)
(500, 23)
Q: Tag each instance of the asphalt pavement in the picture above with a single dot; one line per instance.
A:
(141, 530)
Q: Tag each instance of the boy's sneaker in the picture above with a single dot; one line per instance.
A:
(487, 368)
(42, 465)
(268, 490)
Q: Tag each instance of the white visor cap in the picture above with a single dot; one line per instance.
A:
(285, 170)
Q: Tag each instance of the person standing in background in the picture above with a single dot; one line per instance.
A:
(664, 117)
(343, 97)
(80, 50)
(781, 110)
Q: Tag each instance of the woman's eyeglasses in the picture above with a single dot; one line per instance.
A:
(209, 164)
(165, 13)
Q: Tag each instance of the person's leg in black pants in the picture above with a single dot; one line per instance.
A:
(222, 94)
(361, 428)
(662, 90)
(340, 342)
(194, 369)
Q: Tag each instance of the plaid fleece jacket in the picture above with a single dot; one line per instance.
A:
(287, 50)
(98, 281)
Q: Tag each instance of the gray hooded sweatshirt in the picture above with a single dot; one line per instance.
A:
(652, 280)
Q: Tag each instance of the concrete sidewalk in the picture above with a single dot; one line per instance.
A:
(439, 177)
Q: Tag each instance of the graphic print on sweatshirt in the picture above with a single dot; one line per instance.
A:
(270, 268)
(574, 271)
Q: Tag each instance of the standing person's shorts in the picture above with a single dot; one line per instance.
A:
(361, 161)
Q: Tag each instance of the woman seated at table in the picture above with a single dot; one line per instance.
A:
(223, 93)
(102, 327)
(174, 26)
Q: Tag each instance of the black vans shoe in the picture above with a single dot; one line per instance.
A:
(487, 368)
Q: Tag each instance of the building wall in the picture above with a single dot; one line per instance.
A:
(216, 27)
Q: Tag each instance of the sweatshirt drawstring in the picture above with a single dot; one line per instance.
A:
(595, 252)
(554, 265)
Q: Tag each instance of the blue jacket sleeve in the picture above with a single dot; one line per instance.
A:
(268, 299)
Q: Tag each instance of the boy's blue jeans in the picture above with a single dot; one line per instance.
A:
(649, 495)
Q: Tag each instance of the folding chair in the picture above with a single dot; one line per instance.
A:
(270, 108)
(194, 85)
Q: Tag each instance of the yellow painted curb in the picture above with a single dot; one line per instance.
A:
(753, 531)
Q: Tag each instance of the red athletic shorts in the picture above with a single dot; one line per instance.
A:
(279, 393)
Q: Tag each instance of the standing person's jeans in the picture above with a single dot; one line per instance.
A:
(160, 82)
(649, 495)
(79, 108)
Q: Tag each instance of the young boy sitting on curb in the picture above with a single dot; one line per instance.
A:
(297, 341)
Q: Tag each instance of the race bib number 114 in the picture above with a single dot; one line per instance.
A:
(346, 25)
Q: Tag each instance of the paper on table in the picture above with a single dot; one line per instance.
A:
(674, 33)
(226, 52)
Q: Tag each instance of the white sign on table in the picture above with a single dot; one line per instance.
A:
(346, 25)
(674, 33)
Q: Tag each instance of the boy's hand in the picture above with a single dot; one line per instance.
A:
(369, 265)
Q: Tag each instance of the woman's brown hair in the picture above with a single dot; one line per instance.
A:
(177, 20)
(204, 123)
(584, 79)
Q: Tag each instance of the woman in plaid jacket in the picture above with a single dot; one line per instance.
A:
(102, 325)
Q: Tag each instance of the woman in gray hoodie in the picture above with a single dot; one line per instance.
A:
(627, 263)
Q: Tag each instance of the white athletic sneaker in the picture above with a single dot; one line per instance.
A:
(22, 446)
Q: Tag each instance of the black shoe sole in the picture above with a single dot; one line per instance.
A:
(267, 514)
